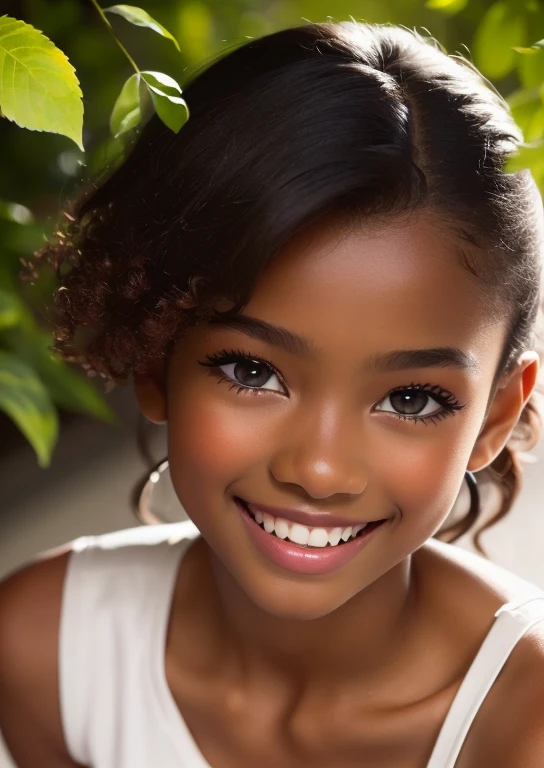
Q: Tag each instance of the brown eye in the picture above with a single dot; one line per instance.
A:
(408, 403)
(250, 373)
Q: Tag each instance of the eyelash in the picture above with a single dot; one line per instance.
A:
(445, 399)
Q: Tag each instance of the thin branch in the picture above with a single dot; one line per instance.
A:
(112, 33)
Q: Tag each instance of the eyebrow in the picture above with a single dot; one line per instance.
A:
(270, 334)
(397, 360)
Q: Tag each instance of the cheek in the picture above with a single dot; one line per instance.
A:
(210, 444)
(424, 481)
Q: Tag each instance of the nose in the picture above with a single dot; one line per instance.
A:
(323, 454)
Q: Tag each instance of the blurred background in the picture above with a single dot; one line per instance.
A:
(80, 481)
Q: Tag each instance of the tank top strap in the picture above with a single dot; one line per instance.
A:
(512, 621)
(116, 585)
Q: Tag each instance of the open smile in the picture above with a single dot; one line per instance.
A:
(302, 549)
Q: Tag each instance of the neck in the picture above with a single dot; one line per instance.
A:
(359, 643)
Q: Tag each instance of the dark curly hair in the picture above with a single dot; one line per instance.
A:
(340, 118)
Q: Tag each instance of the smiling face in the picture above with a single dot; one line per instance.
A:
(334, 421)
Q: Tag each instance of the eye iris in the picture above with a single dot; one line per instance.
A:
(251, 373)
(408, 402)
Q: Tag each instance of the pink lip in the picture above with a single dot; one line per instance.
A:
(292, 557)
(310, 518)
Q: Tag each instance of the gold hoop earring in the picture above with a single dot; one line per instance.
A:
(141, 505)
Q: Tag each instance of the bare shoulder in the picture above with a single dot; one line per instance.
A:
(486, 577)
(508, 729)
(30, 609)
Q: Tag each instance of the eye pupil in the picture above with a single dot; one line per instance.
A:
(251, 373)
(409, 402)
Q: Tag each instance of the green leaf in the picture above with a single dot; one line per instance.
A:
(447, 6)
(39, 89)
(129, 122)
(26, 401)
(500, 30)
(126, 113)
(535, 48)
(523, 103)
(10, 311)
(171, 109)
(141, 18)
(535, 128)
(530, 68)
(164, 83)
(528, 156)
(67, 388)
(107, 155)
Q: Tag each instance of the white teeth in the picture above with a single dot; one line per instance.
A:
(357, 528)
(268, 522)
(282, 528)
(318, 538)
(301, 534)
(346, 533)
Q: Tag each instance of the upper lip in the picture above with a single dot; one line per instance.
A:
(309, 518)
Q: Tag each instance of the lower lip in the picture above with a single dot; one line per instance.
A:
(292, 557)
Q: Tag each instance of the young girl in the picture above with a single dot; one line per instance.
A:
(328, 287)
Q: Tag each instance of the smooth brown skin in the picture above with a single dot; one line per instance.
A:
(358, 667)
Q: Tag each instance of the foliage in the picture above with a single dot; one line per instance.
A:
(39, 90)
(38, 85)
(503, 38)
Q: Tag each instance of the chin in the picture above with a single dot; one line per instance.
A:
(289, 598)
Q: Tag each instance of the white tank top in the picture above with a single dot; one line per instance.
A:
(116, 707)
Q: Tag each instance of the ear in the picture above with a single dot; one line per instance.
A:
(151, 392)
(504, 412)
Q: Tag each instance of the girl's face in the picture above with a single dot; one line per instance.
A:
(346, 420)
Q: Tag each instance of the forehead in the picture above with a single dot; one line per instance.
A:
(389, 286)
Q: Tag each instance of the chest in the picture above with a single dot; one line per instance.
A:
(243, 733)
(243, 729)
